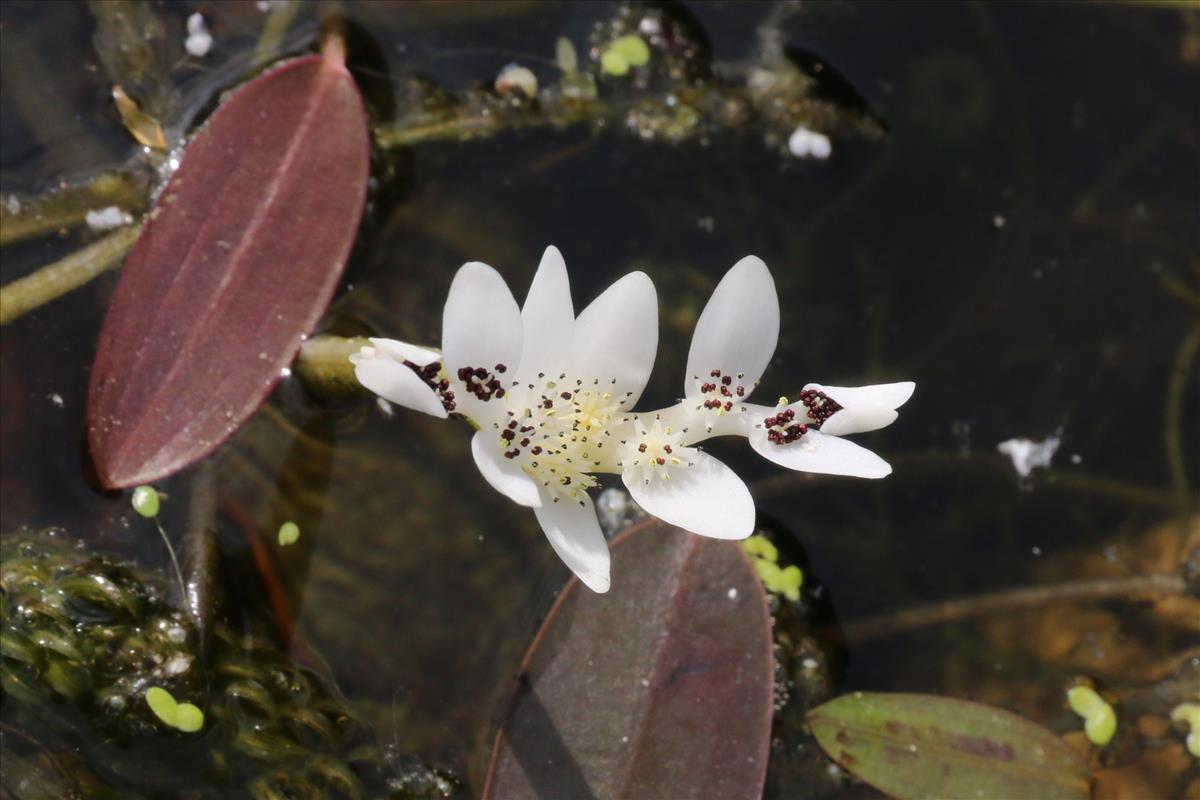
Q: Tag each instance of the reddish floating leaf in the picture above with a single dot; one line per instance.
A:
(918, 746)
(235, 264)
(660, 688)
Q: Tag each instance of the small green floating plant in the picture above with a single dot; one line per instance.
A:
(621, 55)
(764, 556)
(1099, 719)
(146, 501)
(180, 716)
(289, 533)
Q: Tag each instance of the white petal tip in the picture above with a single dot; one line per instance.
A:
(600, 584)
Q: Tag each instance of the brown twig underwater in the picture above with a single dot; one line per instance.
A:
(917, 617)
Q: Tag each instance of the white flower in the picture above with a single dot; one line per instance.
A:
(734, 340)
(547, 391)
(551, 397)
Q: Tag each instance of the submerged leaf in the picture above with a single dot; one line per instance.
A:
(234, 265)
(917, 746)
(660, 688)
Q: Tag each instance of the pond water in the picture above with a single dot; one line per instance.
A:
(1023, 242)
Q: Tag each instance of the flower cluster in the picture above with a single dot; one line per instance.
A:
(551, 397)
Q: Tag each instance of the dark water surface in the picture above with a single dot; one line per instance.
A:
(1023, 244)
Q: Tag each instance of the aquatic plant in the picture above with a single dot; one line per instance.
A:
(551, 395)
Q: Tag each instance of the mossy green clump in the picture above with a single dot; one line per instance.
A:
(94, 661)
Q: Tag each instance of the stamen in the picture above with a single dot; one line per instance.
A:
(820, 406)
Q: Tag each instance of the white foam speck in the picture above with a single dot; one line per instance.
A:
(804, 143)
(199, 41)
(1027, 455)
(103, 219)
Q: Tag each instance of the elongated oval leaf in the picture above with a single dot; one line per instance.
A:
(921, 746)
(660, 688)
(235, 264)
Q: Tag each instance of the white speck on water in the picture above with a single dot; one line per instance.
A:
(707, 224)
(645, 682)
(1076, 458)
(804, 143)
(999, 221)
(1027, 455)
(13, 204)
(732, 593)
(55, 398)
(1037, 551)
(103, 219)
(199, 41)
(624, 740)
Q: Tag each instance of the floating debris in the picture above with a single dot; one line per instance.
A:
(1027, 455)
(141, 126)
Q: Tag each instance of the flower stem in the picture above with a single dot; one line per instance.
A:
(54, 280)
(323, 365)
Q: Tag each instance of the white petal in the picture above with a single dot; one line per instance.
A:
(504, 475)
(616, 336)
(548, 318)
(738, 329)
(574, 533)
(854, 419)
(885, 395)
(481, 324)
(818, 452)
(398, 384)
(403, 351)
(707, 497)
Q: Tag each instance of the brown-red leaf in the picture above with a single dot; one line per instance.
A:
(660, 688)
(235, 264)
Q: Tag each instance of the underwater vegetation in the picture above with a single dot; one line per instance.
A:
(231, 567)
